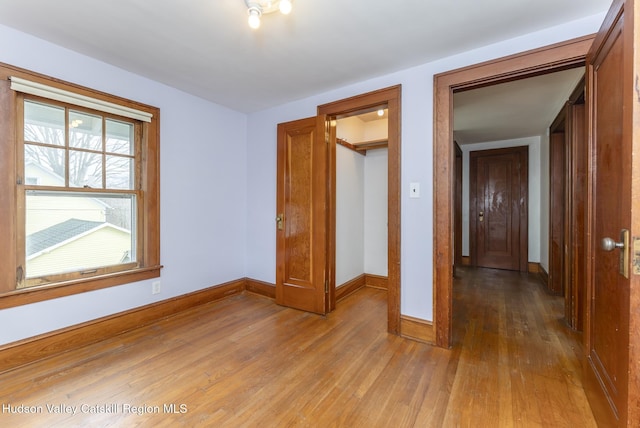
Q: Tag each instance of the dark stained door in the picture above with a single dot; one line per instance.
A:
(575, 232)
(498, 208)
(301, 221)
(557, 198)
(612, 299)
(457, 259)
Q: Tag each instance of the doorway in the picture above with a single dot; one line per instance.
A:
(557, 57)
(309, 227)
(361, 200)
(343, 108)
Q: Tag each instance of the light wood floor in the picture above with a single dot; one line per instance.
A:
(246, 362)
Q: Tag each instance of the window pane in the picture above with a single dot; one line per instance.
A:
(119, 137)
(43, 123)
(119, 172)
(68, 232)
(85, 169)
(46, 164)
(85, 131)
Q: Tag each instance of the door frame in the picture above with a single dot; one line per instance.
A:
(391, 97)
(556, 57)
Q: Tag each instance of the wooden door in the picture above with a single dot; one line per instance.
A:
(611, 335)
(301, 222)
(498, 208)
(557, 197)
(577, 172)
(567, 199)
(457, 230)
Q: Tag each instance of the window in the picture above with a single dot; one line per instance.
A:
(80, 219)
(81, 188)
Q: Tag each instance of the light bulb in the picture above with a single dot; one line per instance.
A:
(285, 6)
(254, 18)
(381, 112)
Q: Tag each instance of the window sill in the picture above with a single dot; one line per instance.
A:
(68, 288)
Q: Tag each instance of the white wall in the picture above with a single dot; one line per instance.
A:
(375, 211)
(350, 187)
(375, 130)
(218, 171)
(361, 201)
(350, 129)
(203, 190)
(544, 202)
(534, 205)
(417, 160)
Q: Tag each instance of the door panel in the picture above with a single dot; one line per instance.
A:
(557, 171)
(301, 222)
(457, 260)
(577, 171)
(498, 214)
(611, 105)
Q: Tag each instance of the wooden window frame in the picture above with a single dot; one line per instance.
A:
(11, 227)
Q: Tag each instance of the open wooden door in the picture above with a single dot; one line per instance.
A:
(557, 209)
(613, 297)
(301, 222)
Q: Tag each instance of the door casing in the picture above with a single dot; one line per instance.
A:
(560, 56)
(326, 112)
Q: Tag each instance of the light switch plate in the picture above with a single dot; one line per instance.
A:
(414, 190)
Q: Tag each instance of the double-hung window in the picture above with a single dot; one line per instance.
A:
(83, 189)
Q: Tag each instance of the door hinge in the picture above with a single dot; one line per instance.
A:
(326, 286)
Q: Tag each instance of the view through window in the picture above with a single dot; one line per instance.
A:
(80, 192)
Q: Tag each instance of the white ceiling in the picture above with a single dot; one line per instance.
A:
(517, 109)
(206, 48)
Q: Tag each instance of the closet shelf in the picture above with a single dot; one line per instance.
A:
(363, 146)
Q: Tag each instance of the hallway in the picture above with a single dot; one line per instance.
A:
(518, 360)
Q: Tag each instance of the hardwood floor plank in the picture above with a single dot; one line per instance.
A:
(246, 362)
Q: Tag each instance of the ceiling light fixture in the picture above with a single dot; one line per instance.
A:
(257, 8)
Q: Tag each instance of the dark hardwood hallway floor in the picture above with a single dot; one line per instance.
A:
(246, 362)
(519, 362)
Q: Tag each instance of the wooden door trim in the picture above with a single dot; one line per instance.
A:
(391, 97)
(555, 57)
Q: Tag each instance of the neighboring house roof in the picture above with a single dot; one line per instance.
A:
(58, 233)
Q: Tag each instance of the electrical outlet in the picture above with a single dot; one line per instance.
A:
(155, 287)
